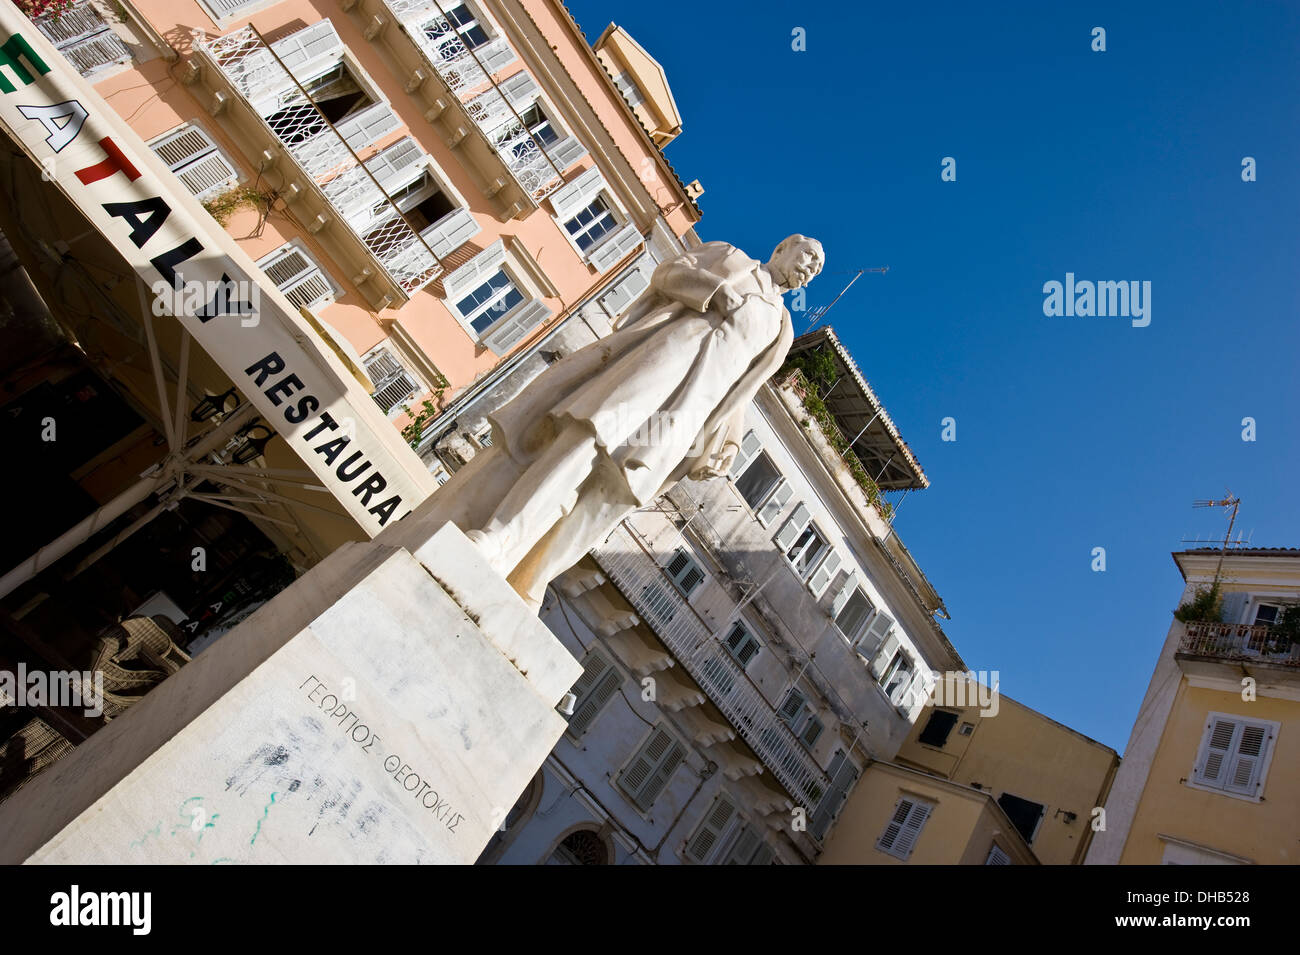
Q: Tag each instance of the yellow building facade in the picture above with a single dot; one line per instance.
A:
(1211, 775)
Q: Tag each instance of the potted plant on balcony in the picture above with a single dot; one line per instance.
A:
(1205, 606)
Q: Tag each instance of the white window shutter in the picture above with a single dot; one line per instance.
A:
(512, 329)
(792, 705)
(495, 55)
(572, 197)
(317, 42)
(198, 163)
(629, 287)
(712, 829)
(1217, 748)
(997, 857)
(845, 591)
(880, 625)
(775, 504)
(368, 126)
(886, 653)
(599, 682)
(451, 232)
(651, 768)
(824, 573)
(566, 152)
(476, 271)
(296, 275)
(793, 527)
(749, 446)
(610, 252)
(894, 828)
(398, 165)
(492, 108)
(1247, 759)
(743, 849)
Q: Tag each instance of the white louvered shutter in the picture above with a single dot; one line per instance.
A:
(451, 232)
(824, 574)
(226, 8)
(651, 768)
(882, 658)
(792, 528)
(712, 830)
(495, 55)
(744, 847)
(911, 829)
(572, 197)
(997, 857)
(566, 152)
(511, 330)
(629, 287)
(845, 591)
(398, 165)
(880, 625)
(368, 126)
(1217, 749)
(314, 43)
(775, 504)
(749, 446)
(610, 252)
(297, 276)
(894, 828)
(476, 271)
(494, 107)
(1247, 759)
(191, 154)
(792, 705)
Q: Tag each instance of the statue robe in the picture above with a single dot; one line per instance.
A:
(667, 391)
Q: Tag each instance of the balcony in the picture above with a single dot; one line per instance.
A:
(1263, 652)
(505, 116)
(270, 100)
(631, 567)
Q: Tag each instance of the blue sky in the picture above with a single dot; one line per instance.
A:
(1072, 433)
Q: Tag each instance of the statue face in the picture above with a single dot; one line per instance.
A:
(796, 261)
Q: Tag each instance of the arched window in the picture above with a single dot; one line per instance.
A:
(584, 847)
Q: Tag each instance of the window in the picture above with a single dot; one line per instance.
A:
(1024, 814)
(584, 847)
(685, 572)
(896, 676)
(877, 635)
(748, 848)
(202, 168)
(337, 94)
(535, 129)
(904, 827)
(724, 837)
(1266, 615)
(649, 771)
(796, 712)
(484, 437)
(938, 728)
(442, 32)
(394, 385)
(298, 276)
(854, 615)
(997, 857)
(843, 774)
(483, 306)
(84, 39)
(422, 202)
(808, 549)
(966, 729)
(599, 682)
(1234, 755)
(759, 479)
(743, 645)
(592, 224)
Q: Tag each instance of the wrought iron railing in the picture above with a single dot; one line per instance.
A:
(467, 71)
(1239, 641)
(630, 566)
(324, 155)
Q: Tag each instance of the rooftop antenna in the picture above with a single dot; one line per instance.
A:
(1228, 501)
(817, 314)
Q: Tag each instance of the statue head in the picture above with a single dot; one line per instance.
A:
(796, 261)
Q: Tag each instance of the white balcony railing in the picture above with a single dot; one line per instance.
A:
(495, 109)
(1239, 641)
(323, 152)
(630, 566)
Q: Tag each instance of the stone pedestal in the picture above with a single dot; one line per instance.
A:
(388, 707)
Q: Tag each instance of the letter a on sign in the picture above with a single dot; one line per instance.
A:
(72, 114)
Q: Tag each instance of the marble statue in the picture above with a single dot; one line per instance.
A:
(611, 426)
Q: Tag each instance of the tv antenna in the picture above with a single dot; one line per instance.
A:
(817, 314)
(1228, 501)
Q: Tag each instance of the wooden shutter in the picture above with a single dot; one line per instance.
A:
(997, 857)
(599, 682)
(1247, 759)
(610, 252)
(398, 165)
(629, 287)
(885, 654)
(295, 274)
(310, 44)
(812, 732)
(451, 232)
(744, 646)
(824, 574)
(792, 705)
(844, 592)
(792, 528)
(495, 55)
(775, 504)
(575, 195)
(198, 163)
(712, 829)
(225, 8)
(368, 126)
(685, 571)
(881, 624)
(476, 271)
(749, 446)
(743, 848)
(566, 152)
(512, 329)
(651, 768)
(894, 828)
(899, 838)
(1217, 748)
